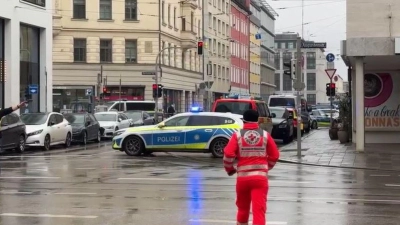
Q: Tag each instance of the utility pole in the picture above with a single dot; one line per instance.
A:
(99, 81)
(299, 86)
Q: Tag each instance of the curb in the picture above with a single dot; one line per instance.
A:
(331, 166)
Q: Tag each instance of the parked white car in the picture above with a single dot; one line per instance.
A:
(111, 122)
(47, 129)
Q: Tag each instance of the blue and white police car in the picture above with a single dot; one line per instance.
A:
(184, 132)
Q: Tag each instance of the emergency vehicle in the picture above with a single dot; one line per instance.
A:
(184, 132)
(237, 105)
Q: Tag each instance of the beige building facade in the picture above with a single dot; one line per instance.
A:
(255, 49)
(120, 40)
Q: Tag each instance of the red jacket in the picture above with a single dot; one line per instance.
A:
(255, 151)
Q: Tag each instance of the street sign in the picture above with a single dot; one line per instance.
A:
(330, 72)
(258, 36)
(89, 92)
(149, 73)
(299, 87)
(330, 57)
(33, 89)
(313, 45)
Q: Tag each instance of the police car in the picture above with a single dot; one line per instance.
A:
(184, 132)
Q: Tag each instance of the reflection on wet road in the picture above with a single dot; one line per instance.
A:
(97, 186)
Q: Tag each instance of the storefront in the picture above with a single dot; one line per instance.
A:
(73, 98)
(173, 97)
(29, 66)
(2, 64)
(127, 93)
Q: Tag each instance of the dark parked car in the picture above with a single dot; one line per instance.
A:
(13, 133)
(85, 127)
(140, 118)
(282, 122)
(307, 121)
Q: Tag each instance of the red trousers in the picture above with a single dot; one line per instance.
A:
(251, 190)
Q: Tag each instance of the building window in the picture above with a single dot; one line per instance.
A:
(169, 14)
(169, 54)
(287, 83)
(175, 57)
(287, 57)
(277, 61)
(105, 50)
(192, 21)
(105, 9)
(130, 9)
(183, 24)
(278, 81)
(79, 8)
(290, 45)
(131, 51)
(311, 82)
(162, 12)
(37, 2)
(311, 60)
(163, 54)
(174, 17)
(312, 99)
(79, 50)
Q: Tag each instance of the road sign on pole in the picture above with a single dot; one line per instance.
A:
(330, 57)
(89, 92)
(330, 73)
(313, 45)
(336, 78)
(151, 73)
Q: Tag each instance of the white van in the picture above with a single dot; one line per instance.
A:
(288, 101)
(148, 106)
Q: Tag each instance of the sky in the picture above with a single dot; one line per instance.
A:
(324, 21)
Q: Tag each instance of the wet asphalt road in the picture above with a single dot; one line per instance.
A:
(97, 185)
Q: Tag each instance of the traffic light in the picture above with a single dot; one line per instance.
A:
(200, 48)
(104, 90)
(330, 89)
(157, 90)
(291, 71)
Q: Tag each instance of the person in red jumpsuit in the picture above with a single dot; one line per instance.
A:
(256, 153)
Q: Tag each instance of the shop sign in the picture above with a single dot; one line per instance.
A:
(381, 101)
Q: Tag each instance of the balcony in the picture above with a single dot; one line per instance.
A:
(41, 3)
(189, 4)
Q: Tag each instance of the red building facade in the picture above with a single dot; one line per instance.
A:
(240, 47)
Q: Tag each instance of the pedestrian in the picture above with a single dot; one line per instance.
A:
(171, 110)
(6, 111)
(256, 153)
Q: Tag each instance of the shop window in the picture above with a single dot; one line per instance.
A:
(29, 65)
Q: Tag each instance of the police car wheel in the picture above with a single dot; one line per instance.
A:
(133, 146)
(217, 147)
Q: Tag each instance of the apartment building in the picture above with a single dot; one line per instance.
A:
(124, 38)
(240, 47)
(314, 75)
(26, 54)
(217, 37)
(267, 31)
(371, 50)
(255, 48)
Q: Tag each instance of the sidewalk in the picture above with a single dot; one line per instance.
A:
(318, 149)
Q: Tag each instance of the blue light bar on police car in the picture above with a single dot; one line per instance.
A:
(196, 109)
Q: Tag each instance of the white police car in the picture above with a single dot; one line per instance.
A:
(185, 132)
